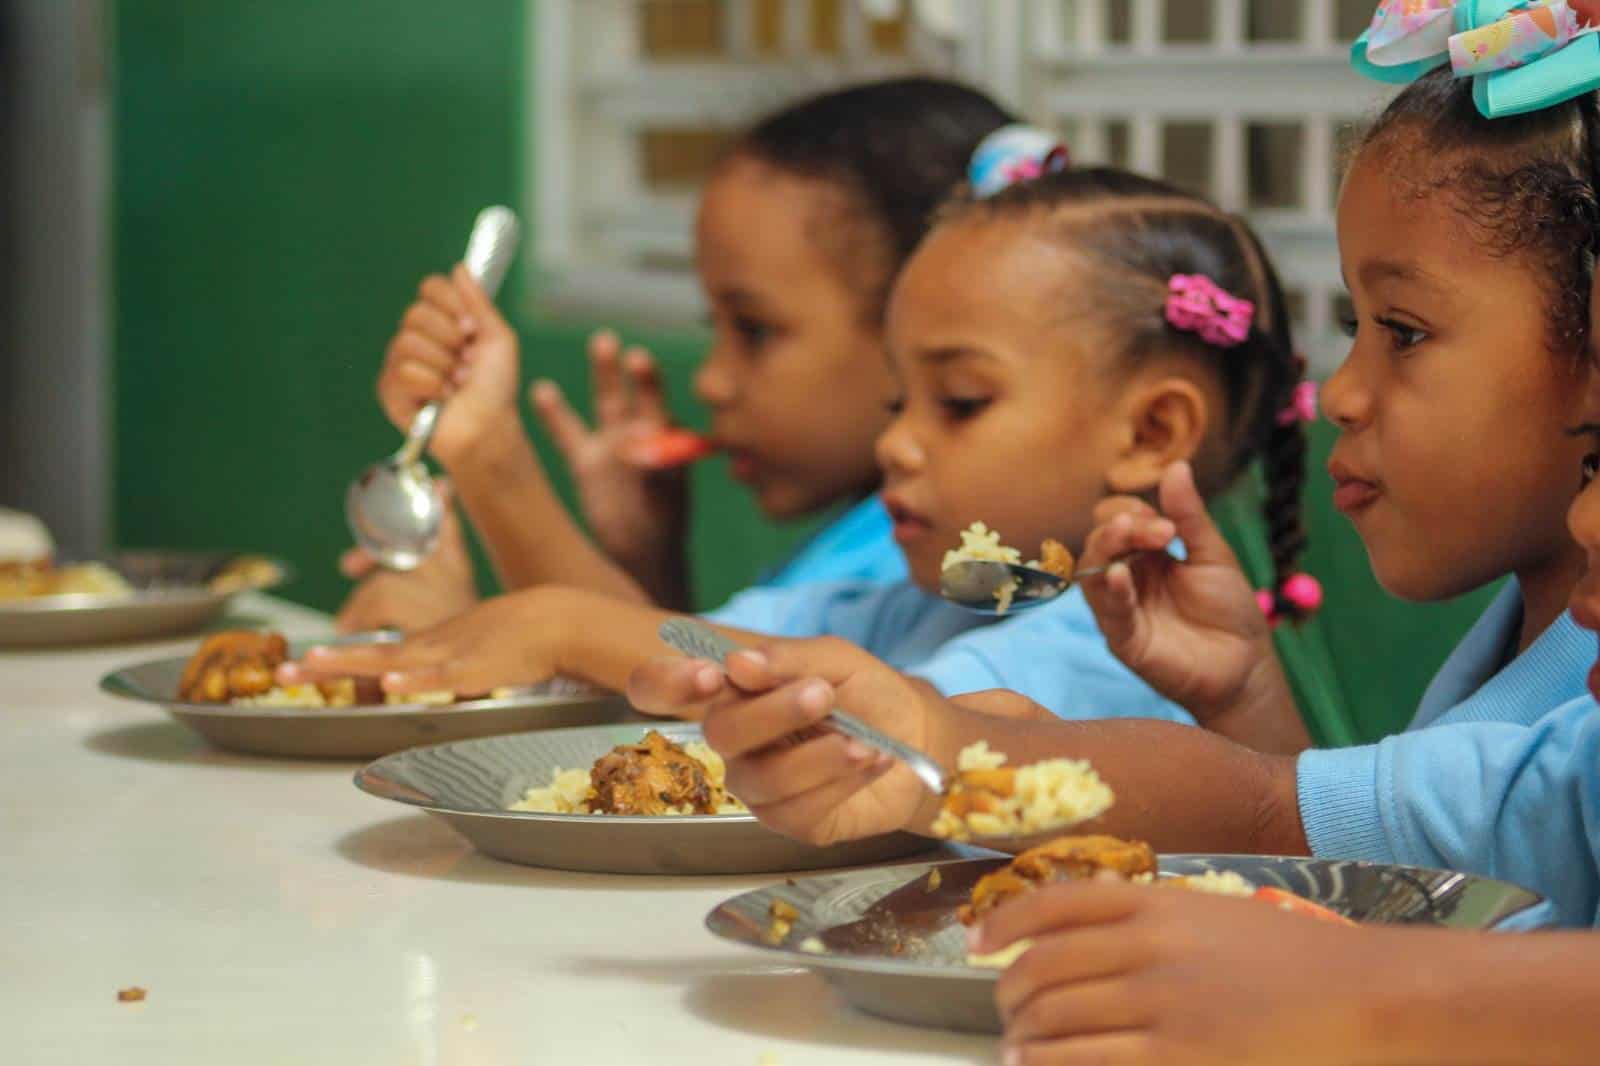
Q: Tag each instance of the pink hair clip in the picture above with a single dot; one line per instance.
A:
(1301, 592)
(1302, 405)
(1196, 304)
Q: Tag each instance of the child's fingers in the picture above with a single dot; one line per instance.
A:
(1075, 1008)
(1124, 535)
(751, 672)
(410, 346)
(420, 383)
(1132, 1047)
(668, 686)
(437, 290)
(451, 676)
(1181, 501)
(806, 816)
(752, 724)
(782, 774)
(1058, 908)
(367, 609)
(565, 426)
(647, 395)
(437, 325)
(605, 375)
(1112, 506)
(357, 563)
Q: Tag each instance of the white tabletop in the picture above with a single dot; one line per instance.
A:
(277, 915)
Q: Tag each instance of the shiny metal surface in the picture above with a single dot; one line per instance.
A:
(360, 732)
(975, 585)
(170, 596)
(393, 508)
(277, 916)
(895, 948)
(470, 784)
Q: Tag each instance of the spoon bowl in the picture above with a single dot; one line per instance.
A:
(394, 509)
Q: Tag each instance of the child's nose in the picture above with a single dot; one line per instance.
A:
(713, 384)
(897, 449)
(1343, 398)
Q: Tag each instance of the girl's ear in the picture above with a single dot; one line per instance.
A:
(1166, 422)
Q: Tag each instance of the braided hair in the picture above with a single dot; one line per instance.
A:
(1135, 234)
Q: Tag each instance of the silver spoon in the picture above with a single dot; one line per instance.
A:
(393, 508)
(976, 583)
(700, 641)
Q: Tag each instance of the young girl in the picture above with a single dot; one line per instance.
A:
(1064, 339)
(800, 233)
(1210, 980)
(1467, 244)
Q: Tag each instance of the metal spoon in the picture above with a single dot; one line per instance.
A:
(976, 583)
(393, 508)
(700, 641)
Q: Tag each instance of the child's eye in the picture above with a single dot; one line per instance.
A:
(753, 333)
(961, 408)
(897, 406)
(1403, 335)
(1349, 324)
(1591, 467)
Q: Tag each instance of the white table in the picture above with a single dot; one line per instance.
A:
(276, 915)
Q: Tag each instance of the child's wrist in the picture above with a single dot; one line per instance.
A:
(500, 442)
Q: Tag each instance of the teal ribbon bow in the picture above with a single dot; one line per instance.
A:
(1522, 55)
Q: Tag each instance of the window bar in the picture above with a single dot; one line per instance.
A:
(551, 38)
(1089, 31)
(1319, 326)
(1317, 23)
(855, 32)
(1044, 27)
(1144, 143)
(1316, 176)
(1227, 25)
(796, 28)
(738, 28)
(1089, 142)
(1147, 19)
(1228, 163)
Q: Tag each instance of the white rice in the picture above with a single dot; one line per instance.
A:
(1048, 795)
(568, 790)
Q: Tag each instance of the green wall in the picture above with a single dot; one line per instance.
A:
(285, 173)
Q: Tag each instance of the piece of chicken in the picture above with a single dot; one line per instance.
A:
(1062, 859)
(651, 777)
(1054, 558)
(233, 664)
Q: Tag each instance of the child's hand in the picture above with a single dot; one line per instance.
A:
(1191, 629)
(440, 588)
(636, 514)
(1135, 974)
(495, 643)
(809, 783)
(452, 344)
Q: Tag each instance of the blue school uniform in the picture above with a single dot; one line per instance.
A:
(1054, 654)
(1498, 774)
(857, 546)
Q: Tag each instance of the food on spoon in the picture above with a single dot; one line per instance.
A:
(990, 799)
(781, 917)
(980, 544)
(656, 776)
(1062, 859)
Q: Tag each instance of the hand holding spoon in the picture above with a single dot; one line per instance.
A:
(393, 508)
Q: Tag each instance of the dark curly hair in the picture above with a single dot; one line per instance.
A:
(1136, 233)
(896, 149)
(1524, 184)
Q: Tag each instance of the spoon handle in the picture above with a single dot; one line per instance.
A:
(700, 641)
(490, 249)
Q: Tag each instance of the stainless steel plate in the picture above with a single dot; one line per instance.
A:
(170, 596)
(360, 732)
(470, 784)
(895, 948)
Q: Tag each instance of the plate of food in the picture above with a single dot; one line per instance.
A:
(632, 799)
(128, 596)
(892, 940)
(226, 692)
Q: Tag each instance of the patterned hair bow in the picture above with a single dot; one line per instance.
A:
(1196, 304)
(1011, 155)
(1523, 55)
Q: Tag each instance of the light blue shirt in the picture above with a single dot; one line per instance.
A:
(1498, 774)
(1054, 654)
(857, 546)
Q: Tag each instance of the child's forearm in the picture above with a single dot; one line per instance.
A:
(1495, 999)
(1177, 787)
(530, 537)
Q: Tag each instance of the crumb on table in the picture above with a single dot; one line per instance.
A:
(131, 994)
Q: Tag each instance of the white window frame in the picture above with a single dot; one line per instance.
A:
(1052, 60)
